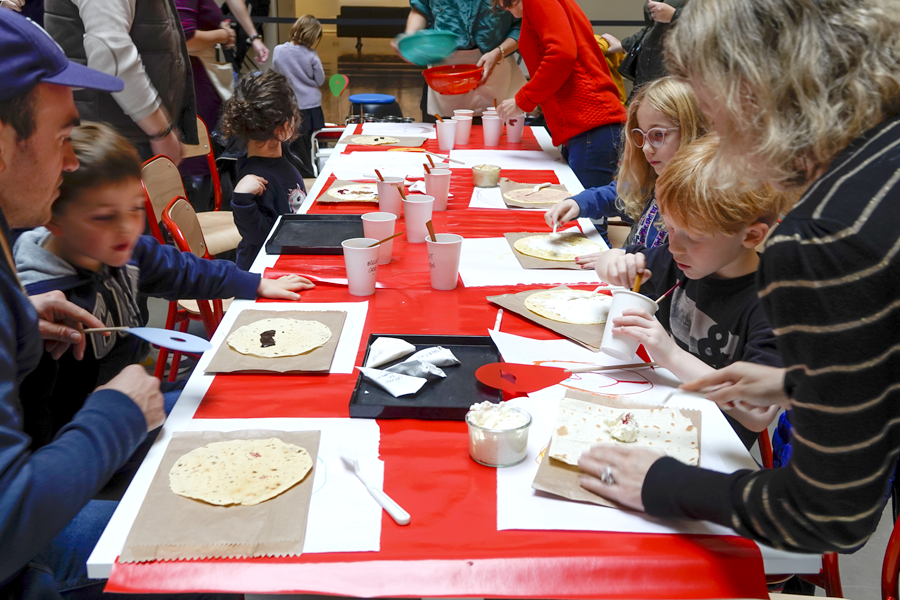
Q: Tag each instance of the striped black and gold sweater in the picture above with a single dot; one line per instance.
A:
(830, 285)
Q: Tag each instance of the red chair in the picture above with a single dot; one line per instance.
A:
(891, 566)
(181, 221)
(829, 578)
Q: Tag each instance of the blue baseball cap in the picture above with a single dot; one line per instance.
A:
(28, 56)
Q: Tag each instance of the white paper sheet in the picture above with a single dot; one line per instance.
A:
(359, 165)
(343, 516)
(490, 261)
(401, 129)
(508, 159)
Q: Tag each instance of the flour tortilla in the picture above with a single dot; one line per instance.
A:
(544, 196)
(292, 337)
(373, 140)
(361, 192)
(570, 306)
(579, 425)
(564, 249)
(239, 471)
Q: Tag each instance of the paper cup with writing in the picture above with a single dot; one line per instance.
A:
(443, 258)
(362, 265)
(515, 130)
(389, 199)
(437, 185)
(446, 133)
(619, 345)
(463, 129)
(418, 212)
(380, 225)
(492, 128)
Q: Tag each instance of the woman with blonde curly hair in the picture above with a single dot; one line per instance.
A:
(806, 96)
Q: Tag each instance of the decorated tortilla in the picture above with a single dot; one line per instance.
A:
(570, 306)
(373, 140)
(544, 196)
(272, 338)
(564, 249)
(358, 192)
(579, 425)
(239, 471)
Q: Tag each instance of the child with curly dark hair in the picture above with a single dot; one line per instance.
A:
(263, 113)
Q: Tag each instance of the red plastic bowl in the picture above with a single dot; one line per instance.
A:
(453, 79)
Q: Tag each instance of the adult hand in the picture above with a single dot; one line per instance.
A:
(660, 11)
(751, 383)
(143, 389)
(487, 62)
(615, 46)
(283, 288)
(562, 213)
(230, 35)
(169, 146)
(251, 184)
(508, 109)
(60, 323)
(15, 5)
(640, 325)
(262, 51)
(588, 261)
(628, 467)
(623, 270)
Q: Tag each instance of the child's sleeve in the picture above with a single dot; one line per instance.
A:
(165, 272)
(252, 217)
(598, 202)
(760, 347)
(318, 70)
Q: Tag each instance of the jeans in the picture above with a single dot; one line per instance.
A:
(594, 156)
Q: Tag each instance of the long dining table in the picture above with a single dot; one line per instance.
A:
(453, 546)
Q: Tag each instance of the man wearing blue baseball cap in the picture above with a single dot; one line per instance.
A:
(47, 525)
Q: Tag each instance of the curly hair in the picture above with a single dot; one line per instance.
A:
(262, 102)
(104, 157)
(688, 191)
(790, 82)
(676, 101)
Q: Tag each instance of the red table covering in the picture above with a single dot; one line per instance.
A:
(452, 546)
(476, 142)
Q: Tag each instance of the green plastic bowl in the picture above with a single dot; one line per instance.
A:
(427, 46)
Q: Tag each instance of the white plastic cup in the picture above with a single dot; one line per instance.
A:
(492, 128)
(379, 225)
(362, 265)
(463, 129)
(446, 133)
(514, 131)
(619, 345)
(443, 258)
(418, 212)
(463, 112)
(489, 111)
(437, 185)
(389, 199)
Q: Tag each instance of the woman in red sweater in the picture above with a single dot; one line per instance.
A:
(570, 80)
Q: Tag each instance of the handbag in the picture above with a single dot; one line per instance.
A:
(628, 66)
(220, 74)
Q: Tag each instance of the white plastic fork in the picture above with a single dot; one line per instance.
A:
(400, 516)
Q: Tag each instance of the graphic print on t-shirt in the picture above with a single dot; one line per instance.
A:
(295, 199)
(700, 334)
(120, 291)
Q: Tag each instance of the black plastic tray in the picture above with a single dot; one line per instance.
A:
(313, 234)
(443, 399)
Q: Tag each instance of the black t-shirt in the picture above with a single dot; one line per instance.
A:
(720, 321)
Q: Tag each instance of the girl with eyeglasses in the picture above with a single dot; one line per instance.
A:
(662, 116)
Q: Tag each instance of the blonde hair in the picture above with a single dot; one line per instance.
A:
(676, 101)
(793, 81)
(306, 31)
(689, 192)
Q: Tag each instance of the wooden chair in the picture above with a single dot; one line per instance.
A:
(181, 221)
(162, 183)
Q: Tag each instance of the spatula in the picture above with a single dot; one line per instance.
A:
(400, 516)
(165, 338)
(513, 377)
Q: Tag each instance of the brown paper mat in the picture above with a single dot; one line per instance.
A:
(229, 360)
(532, 262)
(404, 142)
(588, 336)
(507, 186)
(326, 198)
(172, 527)
(562, 479)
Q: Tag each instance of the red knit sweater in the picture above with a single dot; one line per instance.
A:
(569, 75)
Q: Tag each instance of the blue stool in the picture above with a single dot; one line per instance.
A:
(380, 105)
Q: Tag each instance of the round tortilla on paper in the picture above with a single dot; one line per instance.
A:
(564, 249)
(570, 306)
(360, 192)
(239, 471)
(373, 140)
(292, 337)
(544, 196)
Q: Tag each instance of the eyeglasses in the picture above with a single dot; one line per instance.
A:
(656, 136)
